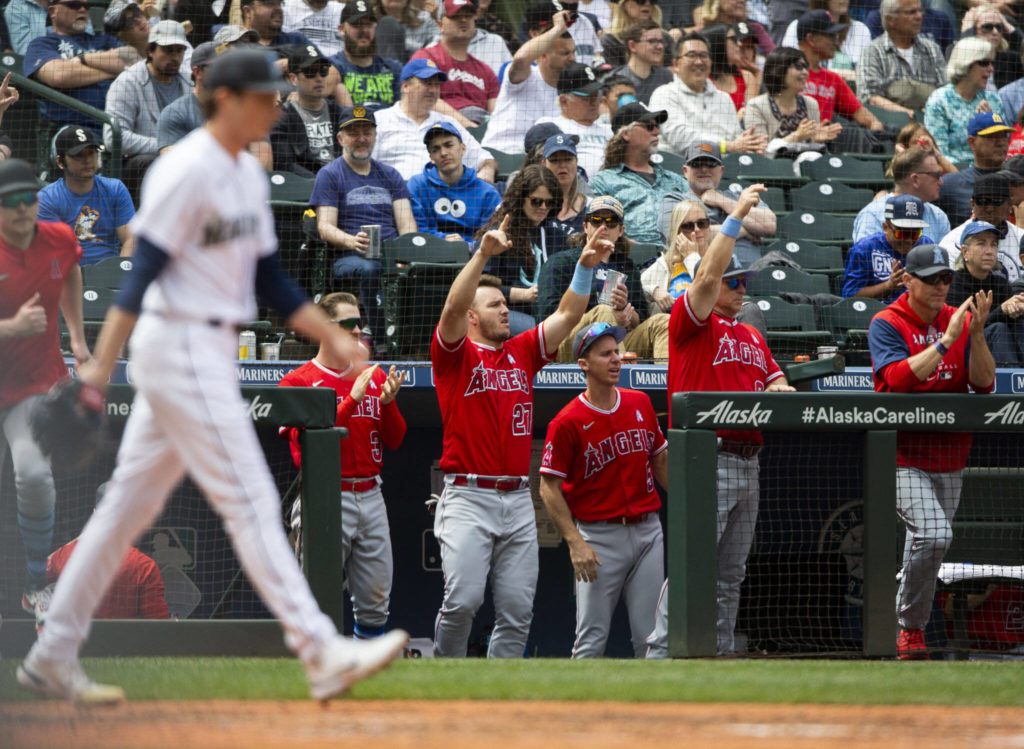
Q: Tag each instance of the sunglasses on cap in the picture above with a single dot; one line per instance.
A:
(349, 323)
(914, 234)
(610, 221)
(688, 226)
(542, 202)
(735, 282)
(990, 200)
(15, 199)
(315, 71)
(596, 330)
(945, 278)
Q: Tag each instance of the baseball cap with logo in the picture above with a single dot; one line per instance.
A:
(926, 260)
(17, 176)
(73, 139)
(977, 227)
(591, 334)
(540, 13)
(987, 123)
(817, 22)
(168, 33)
(301, 56)
(703, 150)
(246, 70)
(994, 185)
(451, 7)
(637, 111)
(605, 203)
(422, 68)
(114, 18)
(578, 79)
(439, 128)
(235, 33)
(735, 268)
(355, 10)
(352, 115)
(905, 212)
(558, 143)
(743, 31)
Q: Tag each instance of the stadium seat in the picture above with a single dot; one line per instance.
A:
(888, 117)
(418, 272)
(773, 280)
(670, 162)
(817, 227)
(108, 273)
(814, 258)
(774, 197)
(791, 328)
(830, 197)
(479, 131)
(849, 321)
(507, 162)
(644, 253)
(752, 168)
(289, 188)
(847, 170)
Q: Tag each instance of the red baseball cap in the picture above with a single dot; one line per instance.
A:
(451, 7)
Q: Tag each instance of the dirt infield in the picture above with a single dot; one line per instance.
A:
(497, 725)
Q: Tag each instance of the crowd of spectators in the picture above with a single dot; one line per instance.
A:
(404, 114)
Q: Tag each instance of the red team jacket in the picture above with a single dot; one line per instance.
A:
(603, 456)
(897, 333)
(486, 399)
(369, 424)
(29, 366)
(717, 354)
(137, 591)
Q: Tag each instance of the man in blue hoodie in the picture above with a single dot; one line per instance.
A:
(448, 199)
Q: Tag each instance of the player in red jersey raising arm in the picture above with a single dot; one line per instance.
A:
(485, 521)
(603, 453)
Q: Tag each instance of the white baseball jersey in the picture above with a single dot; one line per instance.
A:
(208, 212)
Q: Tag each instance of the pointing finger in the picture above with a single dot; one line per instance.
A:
(505, 222)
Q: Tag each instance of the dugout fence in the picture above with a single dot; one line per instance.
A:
(822, 572)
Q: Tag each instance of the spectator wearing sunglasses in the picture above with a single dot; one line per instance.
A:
(875, 264)
(916, 172)
(689, 231)
(991, 202)
(987, 22)
(949, 109)
(303, 139)
(646, 334)
(75, 62)
(973, 273)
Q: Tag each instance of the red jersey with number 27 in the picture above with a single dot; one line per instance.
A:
(370, 425)
(486, 399)
(717, 354)
(604, 457)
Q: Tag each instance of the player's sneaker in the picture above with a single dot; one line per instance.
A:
(342, 662)
(37, 603)
(65, 680)
(910, 646)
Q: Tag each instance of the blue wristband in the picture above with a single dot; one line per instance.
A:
(582, 280)
(731, 227)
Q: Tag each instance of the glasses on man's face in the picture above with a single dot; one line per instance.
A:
(646, 2)
(906, 234)
(703, 164)
(988, 28)
(548, 203)
(350, 323)
(936, 175)
(320, 71)
(945, 278)
(696, 56)
(16, 199)
(612, 222)
(656, 42)
(689, 226)
(735, 282)
(990, 202)
(800, 65)
(649, 125)
(985, 63)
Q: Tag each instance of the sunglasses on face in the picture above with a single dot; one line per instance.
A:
(735, 282)
(350, 323)
(703, 164)
(646, 2)
(989, 202)
(18, 199)
(649, 125)
(911, 234)
(800, 65)
(542, 202)
(988, 28)
(985, 63)
(688, 226)
(320, 71)
(945, 278)
(611, 222)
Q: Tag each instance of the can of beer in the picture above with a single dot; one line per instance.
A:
(270, 351)
(247, 346)
(827, 352)
(373, 232)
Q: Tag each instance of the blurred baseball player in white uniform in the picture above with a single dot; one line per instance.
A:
(205, 240)
(603, 452)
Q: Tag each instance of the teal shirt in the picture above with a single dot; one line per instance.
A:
(946, 116)
(640, 199)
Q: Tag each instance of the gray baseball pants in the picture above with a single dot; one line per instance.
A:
(368, 559)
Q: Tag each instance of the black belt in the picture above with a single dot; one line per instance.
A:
(743, 449)
(629, 519)
(213, 322)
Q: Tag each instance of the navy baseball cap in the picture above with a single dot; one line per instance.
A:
(579, 79)
(589, 335)
(539, 133)
(441, 127)
(734, 269)
(994, 185)
(987, 123)
(352, 115)
(926, 260)
(246, 70)
(204, 54)
(422, 68)
(905, 212)
(817, 22)
(977, 227)
(355, 10)
(17, 176)
(556, 143)
(637, 111)
(73, 139)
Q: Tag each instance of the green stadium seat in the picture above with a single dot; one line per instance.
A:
(792, 329)
(849, 321)
(888, 117)
(817, 227)
(847, 170)
(644, 253)
(507, 162)
(670, 162)
(109, 273)
(830, 197)
(289, 188)
(774, 197)
(753, 168)
(479, 131)
(775, 279)
(814, 258)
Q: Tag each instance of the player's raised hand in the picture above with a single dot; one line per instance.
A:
(8, 94)
(30, 319)
(362, 382)
(496, 241)
(750, 197)
(389, 389)
(980, 310)
(956, 322)
(597, 249)
(584, 561)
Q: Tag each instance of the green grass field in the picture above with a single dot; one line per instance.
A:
(773, 681)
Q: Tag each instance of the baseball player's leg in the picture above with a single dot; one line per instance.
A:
(371, 566)
(465, 524)
(597, 313)
(649, 339)
(644, 581)
(738, 495)
(147, 471)
(514, 575)
(926, 503)
(657, 641)
(596, 601)
(33, 482)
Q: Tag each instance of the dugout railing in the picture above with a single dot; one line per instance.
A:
(798, 429)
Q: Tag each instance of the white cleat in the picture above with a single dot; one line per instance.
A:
(65, 680)
(342, 662)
